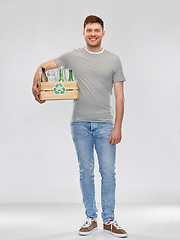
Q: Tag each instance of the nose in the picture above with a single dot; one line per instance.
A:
(93, 33)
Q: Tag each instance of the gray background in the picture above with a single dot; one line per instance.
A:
(37, 157)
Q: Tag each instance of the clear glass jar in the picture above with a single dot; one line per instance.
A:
(52, 75)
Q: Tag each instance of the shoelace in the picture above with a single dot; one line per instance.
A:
(115, 224)
(87, 222)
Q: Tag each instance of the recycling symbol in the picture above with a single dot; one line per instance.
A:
(59, 89)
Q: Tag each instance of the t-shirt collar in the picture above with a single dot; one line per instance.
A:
(94, 52)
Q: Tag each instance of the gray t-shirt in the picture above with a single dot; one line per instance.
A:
(95, 73)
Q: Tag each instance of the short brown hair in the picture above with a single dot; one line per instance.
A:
(93, 19)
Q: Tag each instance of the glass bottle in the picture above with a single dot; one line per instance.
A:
(43, 75)
(70, 75)
(62, 76)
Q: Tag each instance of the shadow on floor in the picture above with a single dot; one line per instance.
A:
(97, 235)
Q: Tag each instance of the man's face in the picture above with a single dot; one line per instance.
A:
(93, 34)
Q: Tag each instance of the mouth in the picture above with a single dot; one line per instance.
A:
(92, 39)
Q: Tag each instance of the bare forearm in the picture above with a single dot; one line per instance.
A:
(116, 136)
(119, 112)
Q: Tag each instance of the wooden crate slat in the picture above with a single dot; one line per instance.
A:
(51, 85)
(68, 95)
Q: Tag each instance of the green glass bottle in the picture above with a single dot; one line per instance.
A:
(70, 75)
(62, 77)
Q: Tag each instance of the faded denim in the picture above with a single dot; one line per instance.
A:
(88, 136)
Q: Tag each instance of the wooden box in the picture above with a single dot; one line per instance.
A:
(59, 90)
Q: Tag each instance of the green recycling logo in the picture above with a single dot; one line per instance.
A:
(59, 89)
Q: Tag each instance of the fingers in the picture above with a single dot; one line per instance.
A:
(110, 138)
(35, 91)
(114, 139)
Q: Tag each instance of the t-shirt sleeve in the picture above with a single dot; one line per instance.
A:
(64, 60)
(118, 74)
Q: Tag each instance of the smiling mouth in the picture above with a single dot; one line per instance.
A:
(92, 39)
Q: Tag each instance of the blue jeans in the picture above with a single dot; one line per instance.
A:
(86, 137)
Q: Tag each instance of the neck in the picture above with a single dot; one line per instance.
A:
(94, 49)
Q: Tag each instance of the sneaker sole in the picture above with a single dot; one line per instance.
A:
(87, 233)
(116, 234)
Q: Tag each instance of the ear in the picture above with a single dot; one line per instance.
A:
(84, 33)
(103, 33)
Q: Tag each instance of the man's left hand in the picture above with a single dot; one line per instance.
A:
(115, 136)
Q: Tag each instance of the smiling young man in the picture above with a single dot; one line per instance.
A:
(92, 125)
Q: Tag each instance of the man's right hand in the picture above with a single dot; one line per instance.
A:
(35, 90)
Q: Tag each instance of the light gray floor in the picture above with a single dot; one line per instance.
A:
(62, 221)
